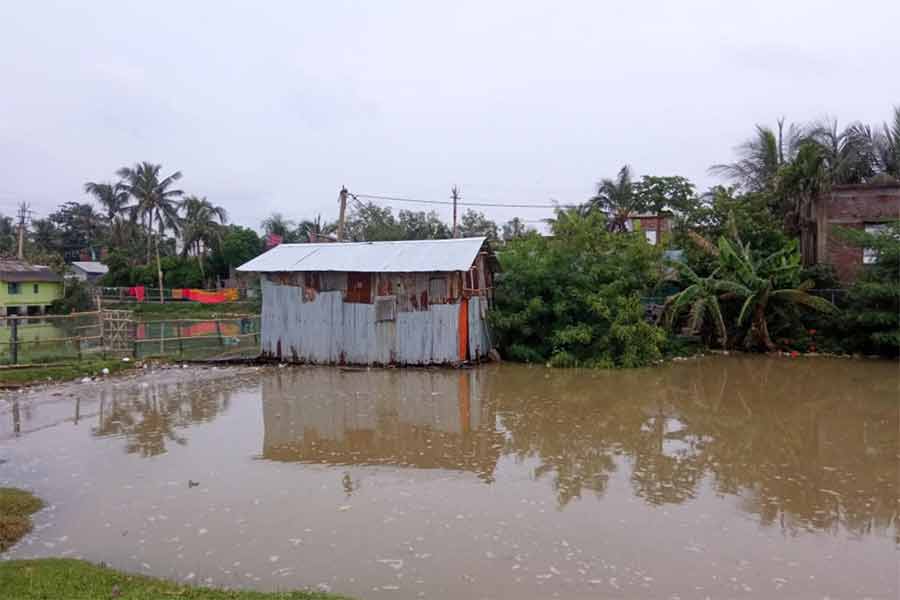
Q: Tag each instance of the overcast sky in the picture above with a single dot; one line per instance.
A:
(272, 106)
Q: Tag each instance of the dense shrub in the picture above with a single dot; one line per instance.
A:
(574, 299)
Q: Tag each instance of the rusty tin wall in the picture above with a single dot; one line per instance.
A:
(326, 330)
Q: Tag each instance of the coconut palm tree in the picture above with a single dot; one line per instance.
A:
(887, 146)
(848, 154)
(309, 230)
(156, 204)
(201, 227)
(113, 197)
(616, 198)
(278, 224)
(762, 156)
(801, 184)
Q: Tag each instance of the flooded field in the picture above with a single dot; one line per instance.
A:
(723, 477)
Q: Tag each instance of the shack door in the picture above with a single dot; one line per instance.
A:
(359, 288)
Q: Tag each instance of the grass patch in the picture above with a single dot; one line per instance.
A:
(16, 507)
(150, 311)
(75, 370)
(79, 580)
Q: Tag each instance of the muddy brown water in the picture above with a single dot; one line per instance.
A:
(721, 477)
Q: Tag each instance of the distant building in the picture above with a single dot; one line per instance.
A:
(864, 206)
(88, 270)
(27, 289)
(408, 303)
(654, 226)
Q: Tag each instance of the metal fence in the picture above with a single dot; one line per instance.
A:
(111, 333)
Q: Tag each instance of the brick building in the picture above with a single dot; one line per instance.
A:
(654, 226)
(865, 206)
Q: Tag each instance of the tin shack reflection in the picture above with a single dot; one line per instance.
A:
(414, 418)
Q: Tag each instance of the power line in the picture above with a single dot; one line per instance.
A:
(450, 203)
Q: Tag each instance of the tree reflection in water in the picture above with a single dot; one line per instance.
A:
(151, 416)
(803, 445)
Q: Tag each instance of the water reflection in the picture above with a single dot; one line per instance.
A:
(156, 414)
(804, 447)
(417, 418)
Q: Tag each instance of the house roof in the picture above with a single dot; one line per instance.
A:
(17, 271)
(374, 257)
(91, 266)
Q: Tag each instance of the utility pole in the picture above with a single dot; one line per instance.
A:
(23, 218)
(343, 198)
(454, 193)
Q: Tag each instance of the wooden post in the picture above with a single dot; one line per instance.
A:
(342, 214)
(14, 340)
(180, 340)
(219, 333)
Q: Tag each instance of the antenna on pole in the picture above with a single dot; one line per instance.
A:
(454, 193)
(343, 199)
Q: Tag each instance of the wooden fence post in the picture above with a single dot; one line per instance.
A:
(219, 333)
(14, 340)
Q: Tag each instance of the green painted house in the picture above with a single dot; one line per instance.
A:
(27, 289)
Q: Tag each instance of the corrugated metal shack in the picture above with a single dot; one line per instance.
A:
(376, 303)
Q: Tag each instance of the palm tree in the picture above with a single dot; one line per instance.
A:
(887, 146)
(111, 196)
(156, 204)
(762, 156)
(311, 229)
(278, 224)
(616, 198)
(801, 184)
(201, 227)
(848, 154)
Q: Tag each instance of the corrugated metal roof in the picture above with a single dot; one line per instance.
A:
(375, 257)
(91, 266)
(17, 271)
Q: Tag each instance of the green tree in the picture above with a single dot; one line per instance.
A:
(475, 224)
(239, 244)
(80, 228)
(201, 227)
(421, 225)
(368, 222)
(156, 204)
(573, 299)
(658, 195)
(514, 229)
(872, 317)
